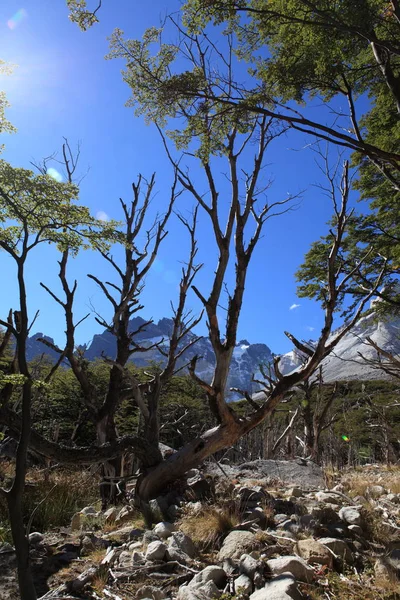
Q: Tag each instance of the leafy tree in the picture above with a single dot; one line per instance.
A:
(34, 209)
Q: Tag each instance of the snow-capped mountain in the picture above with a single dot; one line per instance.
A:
(351, 358)
(245, 361)
(345, 363)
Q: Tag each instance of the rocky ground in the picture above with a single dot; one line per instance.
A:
(231, 533)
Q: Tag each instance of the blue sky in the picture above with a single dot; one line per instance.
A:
(62, 86)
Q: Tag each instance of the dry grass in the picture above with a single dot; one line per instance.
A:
(207, 527)
(358, 480)
(352, 587)
(53, 498)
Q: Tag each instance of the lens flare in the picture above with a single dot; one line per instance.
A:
(16, 19)
(54, 174)
(345, 438)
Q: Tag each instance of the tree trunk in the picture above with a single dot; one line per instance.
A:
(25, 579)
(111, 469)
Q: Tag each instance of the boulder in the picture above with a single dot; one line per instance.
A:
(184, 543)
(243, 584)
(237, 543)
(125, 514)
(295, 492)
(164, 530)
(178, 555)
(314, 552)
(327, 497)
(149, 592)
(206, 591)
(280, 588)
(248, 565)
(156, 551)
(338, 547)
(88, 510)
(291, 564)
(35, 538)
(212, 573)
(350, 515)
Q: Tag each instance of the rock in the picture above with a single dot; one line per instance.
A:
(125, 559)
(338, 547)
(295, 492)
(199, 487)
(327, 497)
(156, 551)
(183, 542)
(88, 510)
(148, 537)
(110, 557)
(110, 514)
(212, 573)
(356, 529)
(137, 558)
(36, 538)
(394, 498)
(243, 584)
(280, 588)
(164, 530)
(178, 555)
(324, 514)
(248, 565)
(136, 534)
(237, 543)
(76, 522)
(256, 515)
(291, 564)
(314, 552)
(307, 522)
(207, 591)
(125, 514)
(350, 515)
(149, 592)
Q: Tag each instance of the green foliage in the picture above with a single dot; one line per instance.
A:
(81, 15)
(5, 125)
(36, 209)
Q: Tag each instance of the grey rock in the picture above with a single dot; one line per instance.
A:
(183, 542)
(110, 514)
(237, 543)
(125, 514)
(156, 551)
(243, 584)
(338, 547)
(178, 555)
(327, 497)
(280, 588)
(206, 591)
(350, 515)
(136, 534)
(88, 510)
(314, 552)
(248, 565)
(212, 573)
(148, 537)
(356, 529)
(35, 538)
(164, 530)
(150, 592)
(291, 564)
(295, 492)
